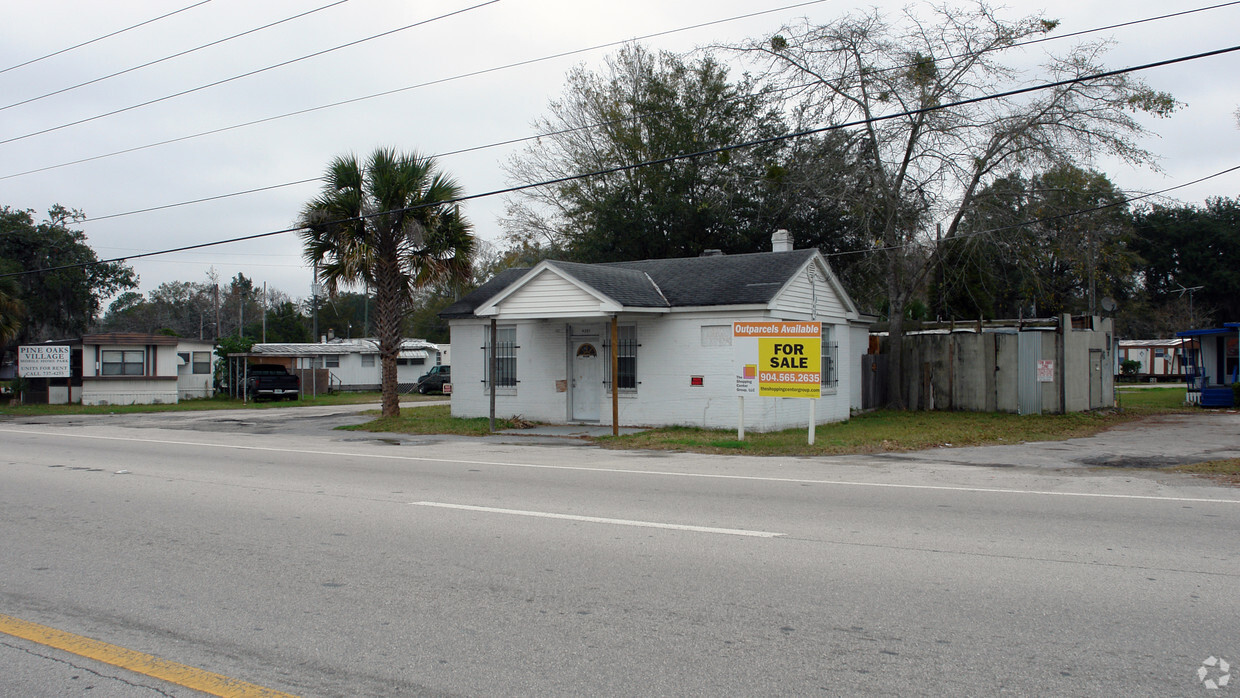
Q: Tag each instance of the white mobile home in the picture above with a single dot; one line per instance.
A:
(123, 368)
(674, 320)
(350, 364)
(1157, 357)
(195, 369)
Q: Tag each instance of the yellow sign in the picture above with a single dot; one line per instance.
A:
(779, 359)
(790, 366)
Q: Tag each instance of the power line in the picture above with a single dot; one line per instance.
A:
(202, 200)
(675, 158)
(175, 55)
(1134, 22)
(1048, 219)
(245, 75)
(101, 38)
(408, 88)
(536, 136)
(868, 250)
(823, 129)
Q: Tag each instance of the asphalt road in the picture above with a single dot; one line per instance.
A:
(274, 551)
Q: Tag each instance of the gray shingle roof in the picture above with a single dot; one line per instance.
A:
(737, 279)
(741, 279)
(629, 287)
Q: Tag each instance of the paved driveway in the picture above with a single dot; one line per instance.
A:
(1151, 443)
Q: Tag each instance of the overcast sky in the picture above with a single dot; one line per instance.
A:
(455, 114)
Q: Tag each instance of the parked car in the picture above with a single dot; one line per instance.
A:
(271, 381)
(434, 379)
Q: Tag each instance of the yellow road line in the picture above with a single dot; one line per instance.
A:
(138, 662)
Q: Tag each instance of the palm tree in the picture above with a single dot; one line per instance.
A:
(389, 223)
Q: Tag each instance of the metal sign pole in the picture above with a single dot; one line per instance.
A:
(812, 420)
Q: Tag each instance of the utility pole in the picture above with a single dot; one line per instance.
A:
(264, 306)
(314, 302)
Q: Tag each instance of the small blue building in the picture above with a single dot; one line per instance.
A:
(1212, 363)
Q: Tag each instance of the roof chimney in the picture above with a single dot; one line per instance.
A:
(781, 241)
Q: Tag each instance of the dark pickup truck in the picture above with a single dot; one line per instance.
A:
(271, 381)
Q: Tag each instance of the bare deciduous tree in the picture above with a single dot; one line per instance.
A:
(909, 82)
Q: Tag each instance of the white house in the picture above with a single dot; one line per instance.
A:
(674, 319)
(350, 364)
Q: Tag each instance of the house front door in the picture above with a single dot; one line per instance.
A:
(587, 379)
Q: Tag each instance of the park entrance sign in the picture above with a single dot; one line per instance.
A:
(43, 361)
(778, 359)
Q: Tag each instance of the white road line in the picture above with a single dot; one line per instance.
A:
(599, 519)
(629, 471)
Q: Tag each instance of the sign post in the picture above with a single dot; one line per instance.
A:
(778, 358)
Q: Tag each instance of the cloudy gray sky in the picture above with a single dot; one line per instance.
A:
(451, 115)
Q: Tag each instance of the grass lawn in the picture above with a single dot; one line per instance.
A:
(436, 419)
(873, 432)
(891, 430)
(877, 432)
(220, 402)
(1153, 400)
(1225, 471)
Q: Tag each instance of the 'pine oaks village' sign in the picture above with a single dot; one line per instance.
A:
(778, 359)
(43, 361)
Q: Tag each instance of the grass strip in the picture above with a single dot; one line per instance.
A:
(434, 419)
(1226, 471)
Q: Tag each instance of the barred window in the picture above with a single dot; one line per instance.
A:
(128, 362)
(627, 358)
(627, 378)
(505, 356)
(830, 352)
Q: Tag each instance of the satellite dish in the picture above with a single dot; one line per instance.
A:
(1109, 304)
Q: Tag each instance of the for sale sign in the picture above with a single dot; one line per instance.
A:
(43, 361)
(778, 359)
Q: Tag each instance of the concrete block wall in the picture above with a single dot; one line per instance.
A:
(967, 370)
